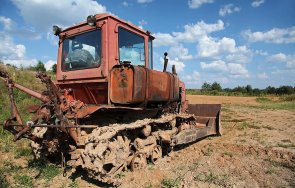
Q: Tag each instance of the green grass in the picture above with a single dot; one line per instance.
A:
(24, 180)
(212, 178)
(245, 125)
(74, 184)
(23, 77)
(227, 153)
(47, 170)
(23, 152)
(3, 182)
(285, 103)
(208, 150)
(279, 106)
(169, 183)
(263, 100)
(288, 98)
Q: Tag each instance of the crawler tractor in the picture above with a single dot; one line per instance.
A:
(108, 110)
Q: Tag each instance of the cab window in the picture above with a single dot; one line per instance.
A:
(131, 47)
(82, 51)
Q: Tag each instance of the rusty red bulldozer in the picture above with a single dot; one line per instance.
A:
(108, 110)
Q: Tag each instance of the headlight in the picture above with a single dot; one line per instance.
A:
(56, 30)
(91, 20)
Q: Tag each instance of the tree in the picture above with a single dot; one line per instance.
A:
(53, 68)
(40, 67)
(206, 86)
(249, 89)
(284, 90)
(240, 89)
(216, 86)
(256, 91)
(270, 90)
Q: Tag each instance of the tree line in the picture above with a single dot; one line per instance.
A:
(39, 67)
(216, 89)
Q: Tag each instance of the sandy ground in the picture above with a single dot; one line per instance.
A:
(257, 149)
(205, 99)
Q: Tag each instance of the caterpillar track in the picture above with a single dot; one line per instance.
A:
(112, 149)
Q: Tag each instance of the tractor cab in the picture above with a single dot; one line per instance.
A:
(87, 51)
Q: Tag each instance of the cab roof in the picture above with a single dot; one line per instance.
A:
(105, 16)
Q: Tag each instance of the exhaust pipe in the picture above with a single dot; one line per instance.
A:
(165, 61)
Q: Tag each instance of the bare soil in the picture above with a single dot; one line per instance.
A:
(257, 149)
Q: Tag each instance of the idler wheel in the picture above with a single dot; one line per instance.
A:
(156, 154)
(138, 162)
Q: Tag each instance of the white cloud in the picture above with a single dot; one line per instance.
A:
(63, 13)
(257, 3)
(231, 69)
(9, 50)
(262, 75)
(228, 9)
(144, 1)
(11, 28)
(180, 52)
(209, 47)
(237, 70)
(48, 64)
(179, 65)
(21, 62)
(191, 33)
(275, 35)
(164, 39)
(218, 65)
(193, 78)
(198, 3)
(280, 57)
(125, 4)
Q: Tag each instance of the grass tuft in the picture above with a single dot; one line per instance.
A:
(23, 152)
(24, 180)
(263, 100)
(48, 171)
(169, 183)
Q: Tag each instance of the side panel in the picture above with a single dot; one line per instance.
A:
(159, 86)
(89, 93)
(135, 84)
(127, 84)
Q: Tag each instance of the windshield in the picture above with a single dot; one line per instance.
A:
(82, 51)
(131, 47)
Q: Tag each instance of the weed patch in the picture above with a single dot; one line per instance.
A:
(48, 171)
(246, 125)
(227, 153)
(169, 183)
(263, 100)
(23, 152)
(288, 98)
(24, 180)
(3, 182)
(208, 150)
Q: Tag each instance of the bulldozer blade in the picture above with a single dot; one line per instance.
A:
(208, 115)
(207, 122)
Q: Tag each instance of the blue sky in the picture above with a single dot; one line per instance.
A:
(233, 42)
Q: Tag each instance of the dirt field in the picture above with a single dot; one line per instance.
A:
(257, 149)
